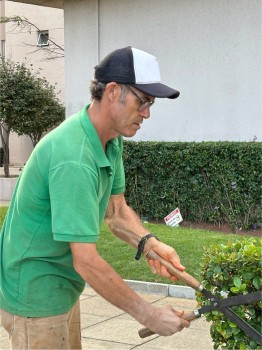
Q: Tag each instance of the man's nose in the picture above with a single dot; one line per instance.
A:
(145, 113)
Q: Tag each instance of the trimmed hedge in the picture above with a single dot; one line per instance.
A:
(218, 182)
(234, 268)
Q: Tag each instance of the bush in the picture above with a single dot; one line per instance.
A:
(218, 182)
(234, 268)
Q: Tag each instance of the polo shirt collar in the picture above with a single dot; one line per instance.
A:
(95, 141)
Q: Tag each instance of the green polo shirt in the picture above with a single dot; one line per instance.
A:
(61, 196)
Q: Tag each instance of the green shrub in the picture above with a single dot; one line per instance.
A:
(234, 268)
(218, 182)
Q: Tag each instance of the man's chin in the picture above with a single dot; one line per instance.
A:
(130, 133)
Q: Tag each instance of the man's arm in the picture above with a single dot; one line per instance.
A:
(126, 225)
(106, 282)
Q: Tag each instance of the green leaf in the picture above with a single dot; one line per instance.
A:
(237, 282)
(217, 269)
(256, 282)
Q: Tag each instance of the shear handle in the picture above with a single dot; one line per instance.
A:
(181, 275)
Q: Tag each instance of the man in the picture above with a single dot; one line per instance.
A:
(74, 180)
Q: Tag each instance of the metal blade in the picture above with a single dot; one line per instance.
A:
(239, 300)
(206, 293)
(249, 330)
(222, 305)
(218, 304)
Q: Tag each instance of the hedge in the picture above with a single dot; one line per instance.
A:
(218, 182)
(233, 268)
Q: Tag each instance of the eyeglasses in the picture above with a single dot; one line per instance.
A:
(143, 103)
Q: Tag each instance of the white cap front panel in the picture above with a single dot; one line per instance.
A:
(146, 67)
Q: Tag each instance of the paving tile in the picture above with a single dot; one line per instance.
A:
(99, 307)
(88, 292)
(115, 330)
(178, 303)
(88, 320)
(152, 298)
(94, 344)
(4, 341)
(188, 339)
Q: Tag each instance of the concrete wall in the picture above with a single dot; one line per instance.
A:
(81, 50)
(210, 50)
(21, 46)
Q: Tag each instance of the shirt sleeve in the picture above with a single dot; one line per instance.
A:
(74, 203)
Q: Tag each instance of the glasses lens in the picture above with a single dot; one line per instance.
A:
(145, 105)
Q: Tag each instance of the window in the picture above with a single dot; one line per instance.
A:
(43, 36)
(2, 49)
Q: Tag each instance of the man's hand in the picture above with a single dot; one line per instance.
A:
(166, 321)
(169, 254)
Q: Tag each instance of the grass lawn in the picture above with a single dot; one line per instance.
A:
(3, 211)
(189, 244)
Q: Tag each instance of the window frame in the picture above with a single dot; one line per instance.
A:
(41, 34)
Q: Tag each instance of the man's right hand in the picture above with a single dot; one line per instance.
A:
(166, 321)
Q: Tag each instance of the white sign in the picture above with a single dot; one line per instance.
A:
(174, 218)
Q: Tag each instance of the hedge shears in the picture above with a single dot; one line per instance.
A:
(213, 302)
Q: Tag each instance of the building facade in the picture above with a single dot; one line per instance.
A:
(209, 50)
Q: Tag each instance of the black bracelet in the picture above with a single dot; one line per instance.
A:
(141, 245)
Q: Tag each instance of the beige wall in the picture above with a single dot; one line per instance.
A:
(21, 46)
(210, 50)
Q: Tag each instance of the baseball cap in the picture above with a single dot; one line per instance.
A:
(136, 68)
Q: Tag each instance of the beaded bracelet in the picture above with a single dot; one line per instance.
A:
(141, 245)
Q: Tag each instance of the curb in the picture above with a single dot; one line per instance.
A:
(166, 290)
(162, 289)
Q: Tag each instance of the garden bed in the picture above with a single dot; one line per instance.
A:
(221, 228)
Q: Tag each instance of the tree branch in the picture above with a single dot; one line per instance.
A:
(24, 24)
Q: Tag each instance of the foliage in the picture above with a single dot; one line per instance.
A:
(28, 106)
(217, 182)
(233, 268)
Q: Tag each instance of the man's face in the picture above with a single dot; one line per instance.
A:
(132, 107)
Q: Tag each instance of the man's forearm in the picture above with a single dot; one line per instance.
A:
(126, 225)
(107, 283)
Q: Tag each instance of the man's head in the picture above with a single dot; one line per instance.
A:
(135, 68)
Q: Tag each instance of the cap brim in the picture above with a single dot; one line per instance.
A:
(157, 90)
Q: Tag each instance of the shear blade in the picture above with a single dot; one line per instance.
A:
(243, 325)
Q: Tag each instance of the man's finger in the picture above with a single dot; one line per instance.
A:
(151, 264)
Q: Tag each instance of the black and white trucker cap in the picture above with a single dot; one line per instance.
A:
(136, 68)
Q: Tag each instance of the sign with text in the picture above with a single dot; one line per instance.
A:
(174, 218)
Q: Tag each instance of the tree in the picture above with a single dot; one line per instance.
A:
(29, 105)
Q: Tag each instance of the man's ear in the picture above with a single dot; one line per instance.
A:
(112, 90)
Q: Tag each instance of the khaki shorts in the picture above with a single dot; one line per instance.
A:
(53, 332)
